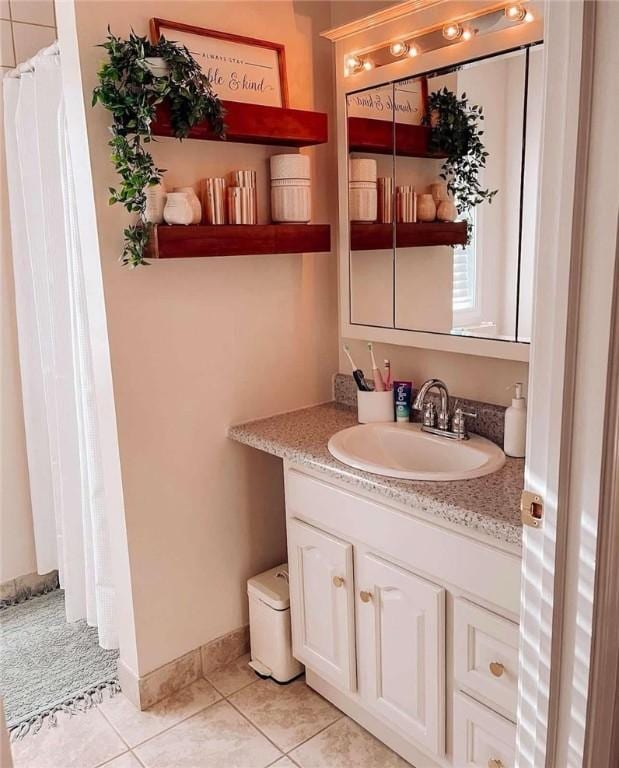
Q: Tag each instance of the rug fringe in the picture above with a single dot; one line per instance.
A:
(77, 704)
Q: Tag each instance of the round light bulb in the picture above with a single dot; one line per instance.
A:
(368, 64)
(413, 50)
(452, 31)
(515, 12)
(398, 49)
(528, 16)
(353, 62)
(467, 34)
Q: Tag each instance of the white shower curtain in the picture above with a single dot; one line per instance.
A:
(55, 350)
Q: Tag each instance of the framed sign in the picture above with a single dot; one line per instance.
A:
(406, 98)
(239, 68)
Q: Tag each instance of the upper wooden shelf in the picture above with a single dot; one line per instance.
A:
(374, 237)
(178, 242)
(256, 124)
(379, 137)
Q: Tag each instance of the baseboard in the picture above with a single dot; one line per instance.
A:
(225, 649)
(147, 690)
(24, 587)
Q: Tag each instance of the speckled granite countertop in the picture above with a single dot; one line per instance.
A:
(487, 504)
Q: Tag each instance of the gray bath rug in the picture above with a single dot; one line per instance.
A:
(49, 665)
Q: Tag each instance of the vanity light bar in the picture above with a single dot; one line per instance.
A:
(450, 33)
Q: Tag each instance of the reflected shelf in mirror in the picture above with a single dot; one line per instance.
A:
(369, 236)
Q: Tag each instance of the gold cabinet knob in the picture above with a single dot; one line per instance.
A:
(493, 763)
(497, 670)
(338, 581)
(365, 596)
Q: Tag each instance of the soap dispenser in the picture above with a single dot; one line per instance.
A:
(516, 425)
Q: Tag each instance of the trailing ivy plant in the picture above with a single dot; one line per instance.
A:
(455, 132)
(131, 92)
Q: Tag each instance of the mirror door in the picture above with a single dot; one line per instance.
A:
(418, 262)
(371, 164)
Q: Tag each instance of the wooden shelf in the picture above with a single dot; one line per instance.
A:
(374, 237)
(256, 124)
(379, 137)
(178, 242)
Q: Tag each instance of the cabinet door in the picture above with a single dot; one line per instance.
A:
(481, 738)
(401, 649)
(322, 603)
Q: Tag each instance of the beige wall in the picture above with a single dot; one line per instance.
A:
(345, 11)
(24, 28)
(197, 345)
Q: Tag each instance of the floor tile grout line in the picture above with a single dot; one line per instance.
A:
(253, 725)
(110, 759)
(227, 695)
(322, 730)
(140, 763)
(112, 726)
(222, 697)
(283, 752)
(296, 746)
(168, 728)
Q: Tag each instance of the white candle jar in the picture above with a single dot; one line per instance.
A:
(291, 201)
(362, 169)
(362, 201)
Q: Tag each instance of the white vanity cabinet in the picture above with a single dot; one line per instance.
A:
(405, 625)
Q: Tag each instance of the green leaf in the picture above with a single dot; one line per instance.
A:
(130, 92)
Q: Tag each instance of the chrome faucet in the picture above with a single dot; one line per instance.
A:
(431, 418)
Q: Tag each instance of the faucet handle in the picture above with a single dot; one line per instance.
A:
(459, 412)
(472, 414)
(429, 414)
(458, 424)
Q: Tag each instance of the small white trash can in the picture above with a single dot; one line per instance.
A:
(269, 626)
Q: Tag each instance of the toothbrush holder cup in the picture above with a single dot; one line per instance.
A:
(375, 406)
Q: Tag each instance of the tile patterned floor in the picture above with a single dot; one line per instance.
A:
(231, 720)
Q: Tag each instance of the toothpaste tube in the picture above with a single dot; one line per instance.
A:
(402, 398)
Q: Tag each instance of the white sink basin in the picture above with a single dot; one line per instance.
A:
(404, 451)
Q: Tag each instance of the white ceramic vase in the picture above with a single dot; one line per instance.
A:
(155, 203)
(426, 208)
(178, 209)
(195, 203)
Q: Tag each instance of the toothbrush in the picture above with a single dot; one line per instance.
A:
(357, 372)
(387, 374)
(379, 384)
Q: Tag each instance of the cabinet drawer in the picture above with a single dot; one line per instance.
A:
(486, 656)
(482, 739)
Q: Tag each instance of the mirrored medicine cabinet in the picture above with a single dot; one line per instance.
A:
(407, 274)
